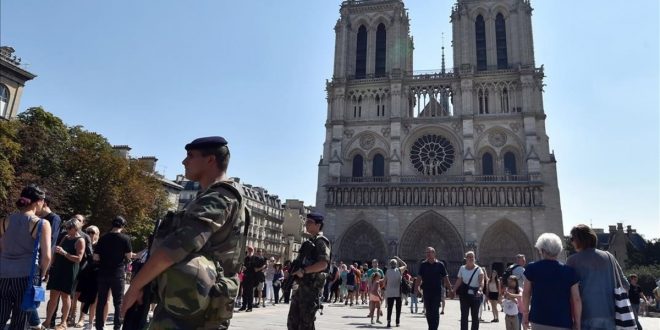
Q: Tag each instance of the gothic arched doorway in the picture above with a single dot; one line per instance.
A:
(432, 229)
(362, 242)
(501, 242)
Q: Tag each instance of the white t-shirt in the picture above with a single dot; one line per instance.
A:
(465, 274)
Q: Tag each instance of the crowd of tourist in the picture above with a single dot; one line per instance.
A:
(79, 265)
(82, 266)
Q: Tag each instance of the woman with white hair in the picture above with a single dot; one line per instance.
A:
(393, 288)
(554, 288)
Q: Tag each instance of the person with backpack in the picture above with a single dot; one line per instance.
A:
(197, 252)
(18, 233)
(517, 269)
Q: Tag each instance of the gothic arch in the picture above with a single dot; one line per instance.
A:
(501, 242)
(354, 143)
(432, 229)
(479, 10)
(362, 242)
(480, 154)
(500, 9)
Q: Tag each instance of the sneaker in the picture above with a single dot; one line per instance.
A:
(388, 325)
(241, 309)
(248, 310)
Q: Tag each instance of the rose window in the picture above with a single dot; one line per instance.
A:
(432, 154)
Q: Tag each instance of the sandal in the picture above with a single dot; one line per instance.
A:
(80, 324)
(61, 326)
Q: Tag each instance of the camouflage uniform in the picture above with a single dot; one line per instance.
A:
(305, 300)
(198, 291)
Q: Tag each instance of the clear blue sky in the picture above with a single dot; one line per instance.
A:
(156, 74)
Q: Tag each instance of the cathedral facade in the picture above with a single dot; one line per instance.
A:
(456, 158)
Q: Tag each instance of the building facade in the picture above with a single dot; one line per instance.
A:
(457, 159)
(618, 241)
(267, 212)
(295, 233)
(12, 80)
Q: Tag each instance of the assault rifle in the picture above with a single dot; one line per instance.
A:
(136, 316)
(305, 250)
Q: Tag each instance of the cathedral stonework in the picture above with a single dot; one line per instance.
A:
(456, 158)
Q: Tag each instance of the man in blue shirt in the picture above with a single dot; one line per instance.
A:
(432, 275)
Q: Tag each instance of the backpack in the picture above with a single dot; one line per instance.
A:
(209, 275)
(508, 272)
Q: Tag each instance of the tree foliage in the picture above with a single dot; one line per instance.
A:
(80, 172)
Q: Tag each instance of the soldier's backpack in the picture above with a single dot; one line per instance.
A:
(205, 285)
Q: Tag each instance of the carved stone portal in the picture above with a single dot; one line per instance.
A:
(501, 242)
(362, 242)
(431, 229)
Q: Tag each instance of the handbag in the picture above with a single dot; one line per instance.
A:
(623, 316)
(464, 288)
(34, 294)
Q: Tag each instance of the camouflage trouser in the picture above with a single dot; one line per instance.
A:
(165, 321)
(304, 304)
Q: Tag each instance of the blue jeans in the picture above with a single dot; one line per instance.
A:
(635, 309)
(413, 302)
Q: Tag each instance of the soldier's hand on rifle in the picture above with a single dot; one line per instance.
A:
(298, 273)
(130, 298)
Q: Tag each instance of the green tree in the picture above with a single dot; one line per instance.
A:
(80, 172)
(10, 150)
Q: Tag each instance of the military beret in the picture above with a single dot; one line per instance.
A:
(207, 142)
(317, 217)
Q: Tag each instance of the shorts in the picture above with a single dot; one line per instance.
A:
(374, 298)
(260, 286)
(363, 287)
(493, 296)
(350, 288)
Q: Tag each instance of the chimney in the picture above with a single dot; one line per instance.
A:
(619, 226)
(122, 150)
(629, 229)
(150, 162)
(612, 229)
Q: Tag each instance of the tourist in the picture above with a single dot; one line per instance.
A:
(494, 288)
(414, 295)
(260, 263)
(393, 277)
(343, 273)
(250, 279)
(375, 297)
(278, 277)
(112, 251)
(406, 286)
(269, 273)
(18, 235)
(483, 297)
(596, 270)
(374, 269)
(636, 296)
(332, 282)
(471, 278)
(350, 285)
(87, 285)
(512, 303)
(432, 276)
(552, 288)
(68, 254)
(364, 284)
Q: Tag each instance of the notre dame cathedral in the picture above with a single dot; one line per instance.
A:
(456, 158)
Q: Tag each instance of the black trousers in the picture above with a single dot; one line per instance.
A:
(248, 294)
(116, 285)
(390, 302)
(276, 292)
(432, 309)
(470, 304)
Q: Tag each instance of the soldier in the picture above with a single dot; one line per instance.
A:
(306, 299)
(197, 251)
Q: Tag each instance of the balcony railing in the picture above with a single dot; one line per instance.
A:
(439, 179)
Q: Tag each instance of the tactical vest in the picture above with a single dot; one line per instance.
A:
(205, 284)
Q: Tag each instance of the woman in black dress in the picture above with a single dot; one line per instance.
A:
(68, 254)
(87, 283)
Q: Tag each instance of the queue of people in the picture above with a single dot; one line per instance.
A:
(78, 265)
